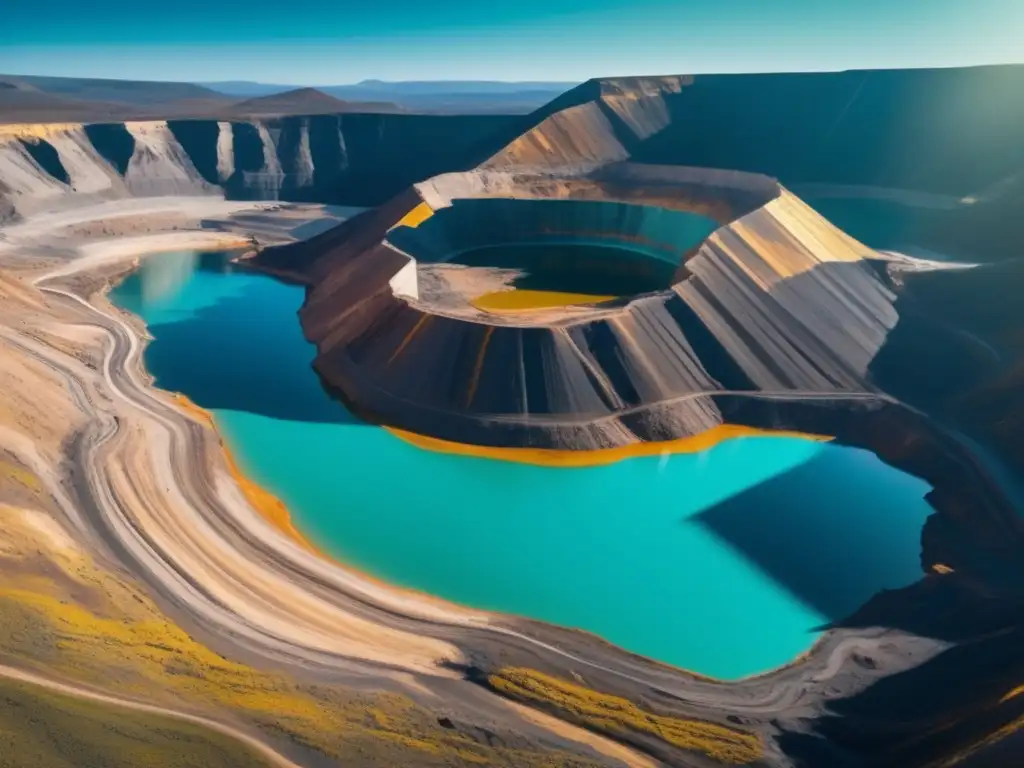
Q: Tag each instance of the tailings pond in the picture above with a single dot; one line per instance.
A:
(726, 562)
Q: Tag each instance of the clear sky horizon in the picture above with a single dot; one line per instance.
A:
(327, 43)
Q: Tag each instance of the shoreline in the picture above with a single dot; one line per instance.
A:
(274, 511)
(310, 611)
(332, 628)
(269, 506)
(554, 457)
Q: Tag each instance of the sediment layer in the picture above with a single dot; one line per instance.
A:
(912, 676)
(776, 301)
(346, 159)
(743, 316)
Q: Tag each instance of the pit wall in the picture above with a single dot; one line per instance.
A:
(747, 317)
(659, 212)
(952, 131)
(468, 225)
(350, 159)
(776, 302)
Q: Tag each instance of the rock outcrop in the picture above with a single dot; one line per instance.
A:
(356, 159)
(778, 319)
(747, 317)
(777, 303)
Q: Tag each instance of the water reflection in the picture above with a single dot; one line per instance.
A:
(162, 279)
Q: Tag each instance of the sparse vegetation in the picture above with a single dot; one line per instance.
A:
(616, 716)
(43, 728)
(19, 476)
(63, 616)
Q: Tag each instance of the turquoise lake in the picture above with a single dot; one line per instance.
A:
(726, 562)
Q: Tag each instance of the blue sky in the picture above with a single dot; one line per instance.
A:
(318, 42)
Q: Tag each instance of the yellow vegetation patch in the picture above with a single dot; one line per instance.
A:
(525, 301)
(41, 727)
(14, 473)
(550, 457)
(618, 716)
(84, 624)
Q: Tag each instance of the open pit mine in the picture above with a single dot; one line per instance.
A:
(642, 268)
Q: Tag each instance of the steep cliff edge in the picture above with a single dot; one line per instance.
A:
(777, 302)
(347, 159)
(776, 320)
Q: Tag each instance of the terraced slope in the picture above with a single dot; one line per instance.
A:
(776, 303)
(614, 374)
(778, 320)
(356, 158)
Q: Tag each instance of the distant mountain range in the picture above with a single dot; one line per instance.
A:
(421, 95)
(306, 101)
(28, 98)
(25, 98)
(137, 92)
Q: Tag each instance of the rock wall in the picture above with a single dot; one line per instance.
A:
(350, 159)
(947, 131)
(777, 301)
(467, 225)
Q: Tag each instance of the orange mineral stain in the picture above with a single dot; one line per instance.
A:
(550, 457)
(271, 508)
(275, 512)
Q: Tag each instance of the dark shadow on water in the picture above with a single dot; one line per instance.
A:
(233, 356)
(800, 531)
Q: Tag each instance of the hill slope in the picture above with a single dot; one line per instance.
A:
(138, 92)
(304, 101)
(454, 96)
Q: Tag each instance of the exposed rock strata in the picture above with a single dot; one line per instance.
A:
(777, 320)
(776, 301)
(351, 159)
(745, 316)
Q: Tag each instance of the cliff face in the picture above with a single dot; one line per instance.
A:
(348, 159)
(948, 131)
(777, 302)
(778, 320)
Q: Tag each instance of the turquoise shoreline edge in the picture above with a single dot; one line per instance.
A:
(651, 553)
